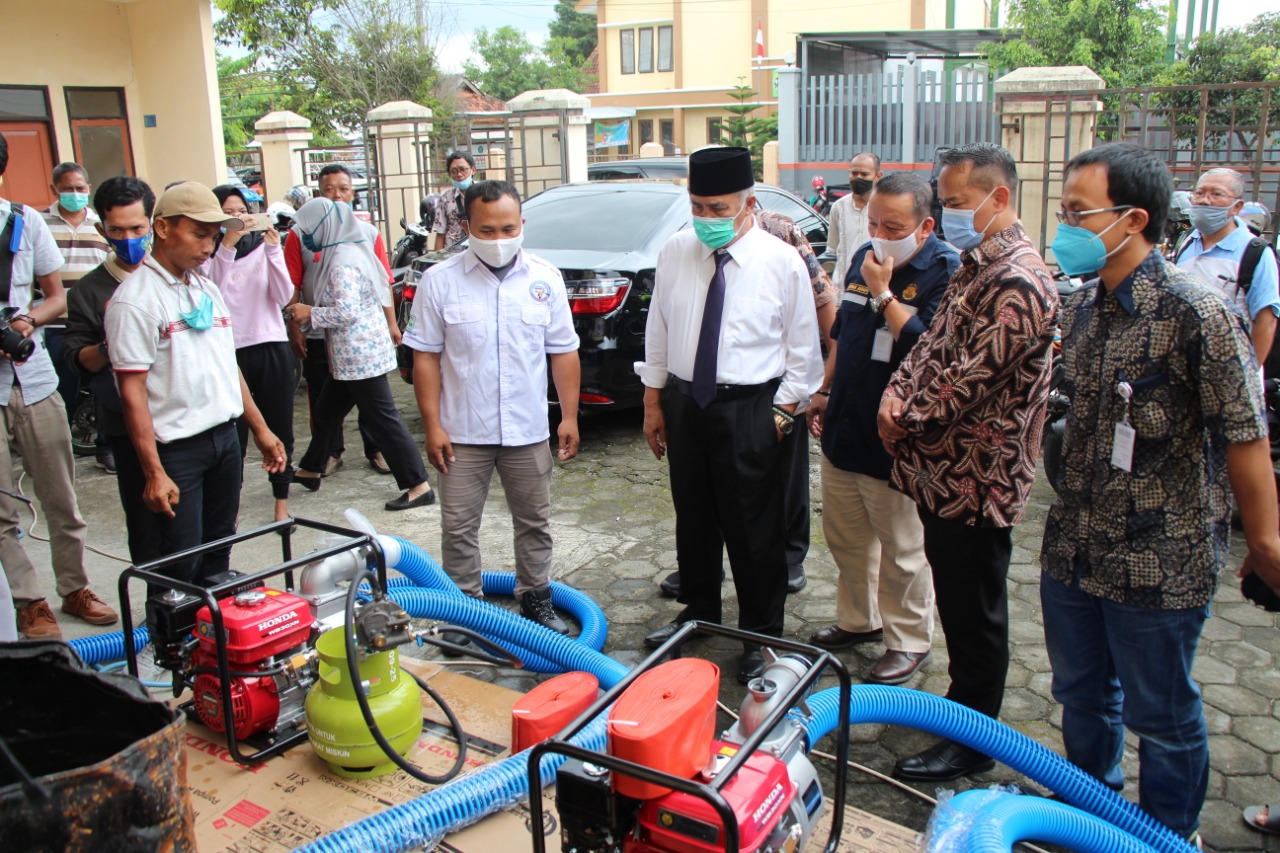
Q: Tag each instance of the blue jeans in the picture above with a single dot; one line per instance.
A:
(1114, 666)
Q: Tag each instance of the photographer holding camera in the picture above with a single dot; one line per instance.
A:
(35, 420)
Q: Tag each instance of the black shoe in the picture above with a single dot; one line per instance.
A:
(455, 638)
(535, 605)
(656, 638)
(106, 461)
(941, 762)
(311, 484)
(833, 637)
(427, 498)
(670, 586)
(750, 666)
(796, 580)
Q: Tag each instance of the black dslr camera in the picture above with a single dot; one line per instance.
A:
(12, 343)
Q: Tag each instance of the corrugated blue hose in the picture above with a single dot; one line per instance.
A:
(105, 648)
(997, 824)
(924, 711)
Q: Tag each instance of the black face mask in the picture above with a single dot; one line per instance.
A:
(246, 244)
(862, 186)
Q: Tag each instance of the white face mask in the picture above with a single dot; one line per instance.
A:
(900, 250)
(497, 253)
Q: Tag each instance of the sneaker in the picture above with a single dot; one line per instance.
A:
(85, 605)
(334, 463)
(535, 605)
(106, 461)
(36, 622)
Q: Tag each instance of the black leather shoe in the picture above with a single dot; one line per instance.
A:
(670, 586)
(896, 667)
(535, 605)
(427, 498)
(750, 666)
(311, 484)
(656, 638)
(796, 580)
(833, 637)
(943, 761)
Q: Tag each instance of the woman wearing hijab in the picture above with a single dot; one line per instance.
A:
(349, 307)
(248, 266)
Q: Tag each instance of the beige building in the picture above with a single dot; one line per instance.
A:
(674, 61)
(125, 88)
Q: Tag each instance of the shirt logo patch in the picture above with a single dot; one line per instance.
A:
(540, 291)
(858, 287)
(909, 293)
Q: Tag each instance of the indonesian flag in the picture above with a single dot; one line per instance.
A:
(759, 39)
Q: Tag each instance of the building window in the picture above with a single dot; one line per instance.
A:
(665, 49)
(646, 130)
(667, 127)
(715, 131)
(627, 41)
(646, 50)
(100, 132)
(26, 127)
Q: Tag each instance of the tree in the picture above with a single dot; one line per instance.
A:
(510, 64)
(748, 131)
(573, 33)
(1121, 40)
(247, 96)
(334, 59)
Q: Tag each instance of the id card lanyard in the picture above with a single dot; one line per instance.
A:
(1125, 435)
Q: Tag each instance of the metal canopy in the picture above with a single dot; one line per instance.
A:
(923, 43)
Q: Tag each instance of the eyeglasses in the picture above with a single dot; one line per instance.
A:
(1073, 217)
(1213, 195)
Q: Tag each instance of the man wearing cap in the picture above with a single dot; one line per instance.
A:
(731, 349)
(170, 343)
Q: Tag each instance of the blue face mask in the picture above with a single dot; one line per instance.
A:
(1080, 251)
(715, 231)
(309, 239)
(957, 226)
(200, 317)
(463, 184)
(132, 250)
(308, 242)
(73, 202)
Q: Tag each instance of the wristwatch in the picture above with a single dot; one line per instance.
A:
(879, 302)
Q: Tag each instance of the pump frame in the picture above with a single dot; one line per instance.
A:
(150, 572)
(708, 792)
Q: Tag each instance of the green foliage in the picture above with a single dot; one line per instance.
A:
(572, 34)
(247, 96)
(331, 60)
(1121, 40)
(510, 64)
(745, 130)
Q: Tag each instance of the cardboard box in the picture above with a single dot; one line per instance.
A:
(293, 799)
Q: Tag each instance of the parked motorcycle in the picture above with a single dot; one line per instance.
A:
(416, 238)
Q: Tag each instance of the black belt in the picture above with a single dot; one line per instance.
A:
(726, 392)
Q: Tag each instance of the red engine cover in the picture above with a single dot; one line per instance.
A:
(254, 704)
(680, 823)
(278, 622)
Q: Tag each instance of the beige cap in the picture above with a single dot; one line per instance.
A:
(195, 201)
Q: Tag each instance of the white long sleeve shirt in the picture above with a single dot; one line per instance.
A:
(769, 328)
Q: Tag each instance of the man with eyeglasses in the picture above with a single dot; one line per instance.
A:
(1225, 253)
(1167, 421)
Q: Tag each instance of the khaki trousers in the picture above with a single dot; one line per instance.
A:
(877, 541)
(40, 434)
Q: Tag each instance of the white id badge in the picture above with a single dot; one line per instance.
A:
(882, 345)
(1122, 447)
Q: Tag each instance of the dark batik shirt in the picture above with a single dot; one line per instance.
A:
(975, 386)
(786, 230)
(1157, 535)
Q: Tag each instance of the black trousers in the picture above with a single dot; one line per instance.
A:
(373, 398)
(795, 498)
(727, 484)
(68, 379)
(315, 369)
(206, 469)
(970, 567)
(142, 526)
(268, 371)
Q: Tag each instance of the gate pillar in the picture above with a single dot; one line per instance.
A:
(397, 132)
(281, 135)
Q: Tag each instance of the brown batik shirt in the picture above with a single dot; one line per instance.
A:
(1156, 535)
(975, 386)
(786, 230)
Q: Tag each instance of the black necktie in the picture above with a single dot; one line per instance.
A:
(704, 361)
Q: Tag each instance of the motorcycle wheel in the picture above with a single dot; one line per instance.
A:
(84, 428)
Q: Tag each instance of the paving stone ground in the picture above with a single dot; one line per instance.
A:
(614, 539)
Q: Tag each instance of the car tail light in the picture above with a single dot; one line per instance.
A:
(588, 399)
(597, 296)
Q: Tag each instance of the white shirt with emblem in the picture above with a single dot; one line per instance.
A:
(494, 338)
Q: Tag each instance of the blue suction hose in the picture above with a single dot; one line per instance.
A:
(999, 822)
(924, 711)
(105, 648)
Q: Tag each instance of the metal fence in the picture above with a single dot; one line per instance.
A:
(901, 117)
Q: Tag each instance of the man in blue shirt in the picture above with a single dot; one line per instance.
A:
(892, 289)
(1216, 246)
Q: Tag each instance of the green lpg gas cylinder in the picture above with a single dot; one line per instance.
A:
(335, 725)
